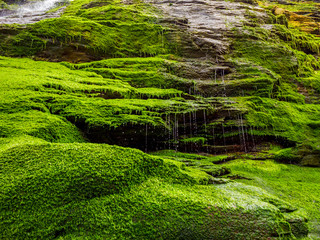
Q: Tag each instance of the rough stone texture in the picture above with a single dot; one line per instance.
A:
(30, 13)
(207, 24)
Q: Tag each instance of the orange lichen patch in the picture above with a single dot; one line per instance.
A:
(304, 22)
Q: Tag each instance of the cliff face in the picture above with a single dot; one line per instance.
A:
(234, 82)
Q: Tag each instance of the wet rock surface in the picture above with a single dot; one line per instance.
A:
(208, 23)
(31, 12)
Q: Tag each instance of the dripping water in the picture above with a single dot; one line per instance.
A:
(190, 124)
(195, 122)
(205, 126)
(252, 136)
(169, 124)
(241, 128)
(185, 130)
(146, 144)
(176, 123)
(215, 76)
(224, 139)
(223, 83)
(213, 140)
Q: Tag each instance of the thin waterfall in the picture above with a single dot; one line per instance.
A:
(184, 124)
(176, 123)
(169, 131)
(195, 122)
(215, 76)
(239, 129)
(205, 126)
(213, 140)
(243, 134)
(252, 136)
(224, 139)
(146, 143)
(223, 83)
(190, 124)
(185, 130)
(40, 6)
(33, 11)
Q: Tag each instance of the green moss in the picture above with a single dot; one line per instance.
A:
(297, 185)
(41, 125)
(287, 155)
(180, 155)
(292, 6)
(282, 53)
(22, 44)
(37, 91)
(105, 31)
(139, 72)
(200, 140)
(279, 118)
(70, 191)
(3, 5)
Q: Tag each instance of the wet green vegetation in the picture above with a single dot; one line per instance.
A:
(70, 129)
(99, 29)
(113, 192)
(299, 186)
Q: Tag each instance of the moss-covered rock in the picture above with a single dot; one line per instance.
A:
(90, 190)
(222, 87)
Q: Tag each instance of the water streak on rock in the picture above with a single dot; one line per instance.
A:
(33, 12)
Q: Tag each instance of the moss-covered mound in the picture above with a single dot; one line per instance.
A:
(69, 191)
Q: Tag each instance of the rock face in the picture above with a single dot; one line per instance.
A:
(208, 24)
(31, 12)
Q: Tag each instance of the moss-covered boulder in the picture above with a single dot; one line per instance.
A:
(67, 191)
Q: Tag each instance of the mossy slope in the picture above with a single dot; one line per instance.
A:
(56, 185)
(68, 191)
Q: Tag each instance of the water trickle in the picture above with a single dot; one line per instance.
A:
(184, 124)
(176, 130)
(215, 76)
(185, 129)
(169, 131)
(205, 126)
(223, 83)
(243, 133)
(222, 75)
(224, 138)
(190, 124)
(146, 144)
(252, 136)
(205, 120)
(195, 122)
(213, 139)
(33, 12)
